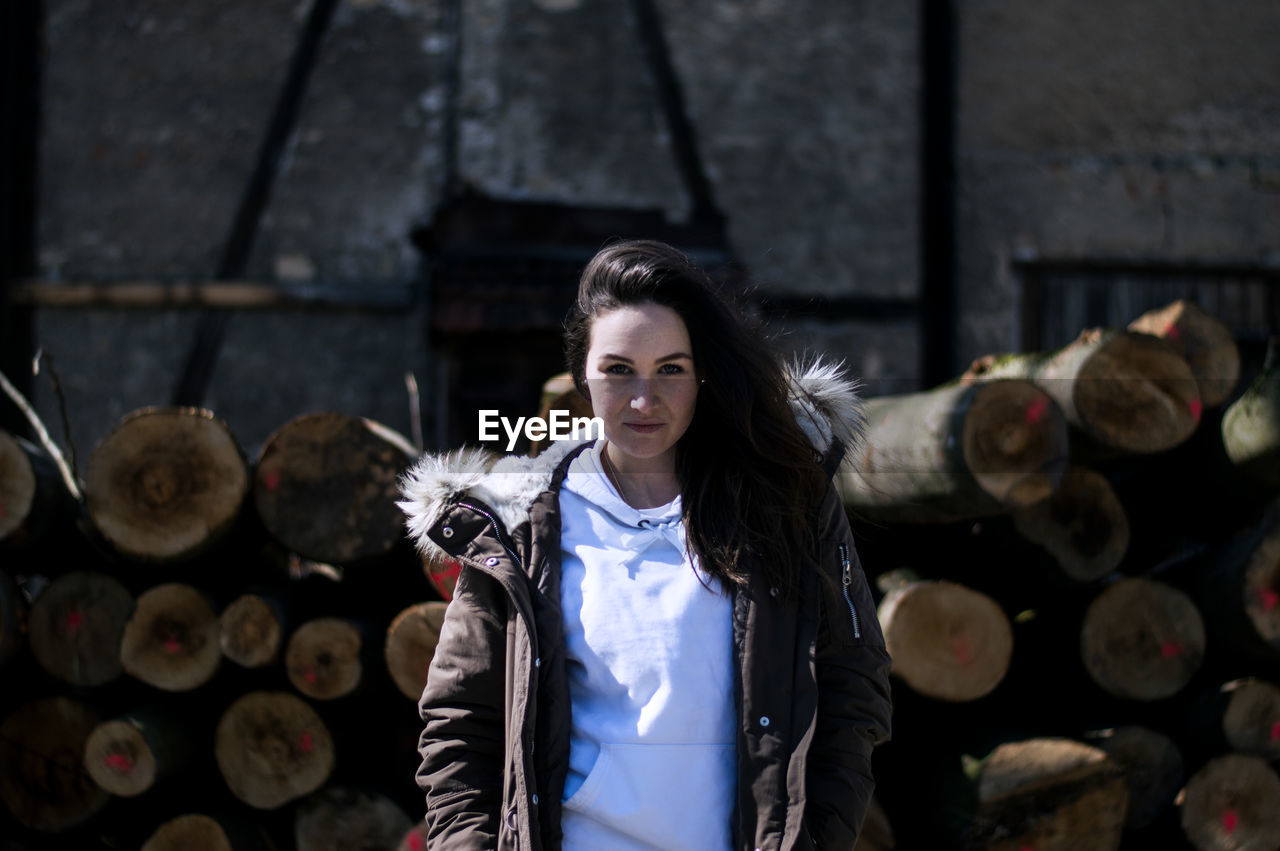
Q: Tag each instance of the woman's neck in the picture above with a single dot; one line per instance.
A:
(647, 484)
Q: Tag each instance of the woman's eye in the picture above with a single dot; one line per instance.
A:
(616, 369)
(672, 369)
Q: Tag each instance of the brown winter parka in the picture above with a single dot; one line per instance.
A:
(812, 689)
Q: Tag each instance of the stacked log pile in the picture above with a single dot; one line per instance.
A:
(1081, 596)
(208, 651)
(1077, 555)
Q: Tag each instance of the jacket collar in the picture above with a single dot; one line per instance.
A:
(824, 400)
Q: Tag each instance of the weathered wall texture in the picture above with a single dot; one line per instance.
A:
(804, 112)
(1122, 130)
(152, 125)
(1119, 129)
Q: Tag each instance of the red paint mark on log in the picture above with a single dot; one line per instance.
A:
(1275, 731)
(309, 675)
(304, 743)
(962, 648)
(1230, 820)
(1171, 331)
(1270, 598)
(172, 644)
(1036, 410)
(1026, 848)
(415, 842)
(118, 762)
(1171, 650)
(271, 480)
(1197, 408)
(75, 620)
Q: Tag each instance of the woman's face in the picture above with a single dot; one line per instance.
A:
(640, 372)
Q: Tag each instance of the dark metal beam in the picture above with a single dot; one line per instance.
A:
(938, 307)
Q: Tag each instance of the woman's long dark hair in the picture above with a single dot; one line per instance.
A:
(749, 478)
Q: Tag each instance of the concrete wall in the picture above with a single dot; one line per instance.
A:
(1122, 129)
(804, 113)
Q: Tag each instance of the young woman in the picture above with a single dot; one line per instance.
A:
(661, 638)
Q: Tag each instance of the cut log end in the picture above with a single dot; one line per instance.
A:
(1251, 722)
(411, 645)
(165, 484)
(1153, 769)
(947, 641)
(1137, 394)
(42, 778)
(272, 748)
(1203, 340)
(877, 832)
(119, 759)
(193, 832)
(1232, 802)
(77, 625)
(1015, 442)
(326, 487)
(1261, 588)
(1040, 792)
(250, 632)
(1082, 525)
(342, 817)
(171, 642)
(1142, 640)
(17, 486)
(323, 658)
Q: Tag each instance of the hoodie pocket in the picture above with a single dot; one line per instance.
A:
(663, 795)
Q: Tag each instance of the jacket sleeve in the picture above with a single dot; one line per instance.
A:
(462, 741)
(854, 703)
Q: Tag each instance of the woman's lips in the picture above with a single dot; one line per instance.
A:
(643, 428)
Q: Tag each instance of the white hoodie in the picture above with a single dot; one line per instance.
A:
(650, 663)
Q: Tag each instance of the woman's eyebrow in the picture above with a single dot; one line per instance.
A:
(663, 359)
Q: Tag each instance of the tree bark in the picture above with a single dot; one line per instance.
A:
(326, 658)
(947, 641)
(1082, 525)
(1142, 639)
(272, 748)
(77, 625)
(171, 642)
(1203, 340)
(326, 487)
(166, 483)
(1127, 391)
(251, 629)
(1232, 802)
(339, 818)
(129, 755)
(955, 452)
(1153, 770)
(1251, 424)
(1051, 795)
(411, 645)
(42, 778)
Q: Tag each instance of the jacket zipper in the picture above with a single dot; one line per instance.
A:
(513, 814)
(846, 579)
(497, 531)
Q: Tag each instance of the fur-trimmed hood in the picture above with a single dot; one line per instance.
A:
(824, 399)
